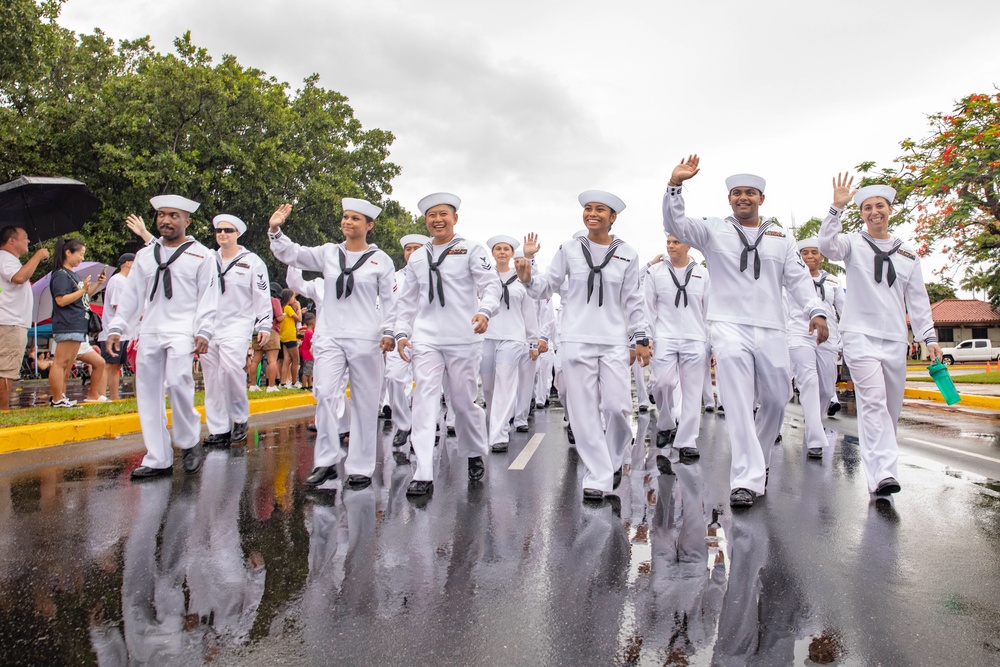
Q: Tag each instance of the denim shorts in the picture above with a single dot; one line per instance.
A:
(77, 336)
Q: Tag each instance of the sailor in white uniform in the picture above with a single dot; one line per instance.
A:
(886, 285)
(603, 312)
(815, 366)
(450, 292)
(676, 293)
(512, 336)
(173, 288)
(351, 334)
(244, 311)
(399, 375)
(749, 259)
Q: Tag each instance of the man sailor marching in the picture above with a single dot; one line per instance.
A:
(244, 311)
(351, 334)
(173, 287)
(815, 366)
(886, 286)
(676, 293)
(749, 259)
(512, 336)
(603, 312)
(398, 374)
(450, 292)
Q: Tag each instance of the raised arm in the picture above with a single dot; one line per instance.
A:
(688, 230)
(548, 282)
(832, 243)
(287, 252)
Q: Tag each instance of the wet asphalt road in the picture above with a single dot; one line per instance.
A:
(239, 565)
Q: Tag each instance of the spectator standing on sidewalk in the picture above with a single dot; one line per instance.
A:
(15, 305)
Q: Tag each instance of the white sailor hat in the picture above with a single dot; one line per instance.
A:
(174, 201)
(601, 197)
(870, 191)
(360, 206)
(580, 232)
(240, 226)
(413, 238)
(518, 252)
(811, 242)
(433, 200)
(503, 238)
(746, 180)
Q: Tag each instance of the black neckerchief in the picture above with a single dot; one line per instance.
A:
(222, 274)
(433, 267)
(164, 268)
(883, 257)
(681, 289)
(747, 248)
(345, 281)
(506, 290)
(820, 289)
(596, 270)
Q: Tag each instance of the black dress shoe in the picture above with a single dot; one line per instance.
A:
(359, 481)
(419, 488)
(833, 409)
(814, 453)
(888, 486)
(689, 454)
(617, 479)
(400, 438)
(664, 438)
(386, 412)
(593, 495)
(345, 440)
(499, 447)
(663, 465)
(741, 498)
(476, 468)
(652, 399)
(311, 427)
(778, 439)
(320, 475)
(451, 432)
(216, 440)
(522, 429)
(570, 436)
(145, 472)
(192, 458)
(709, 409)
(721, 408)
(643, 408)
(239, 432)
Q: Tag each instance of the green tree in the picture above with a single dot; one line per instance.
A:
(941, 291)
(948, 183)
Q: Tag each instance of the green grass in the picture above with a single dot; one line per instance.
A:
(971, 378)
(43, 415)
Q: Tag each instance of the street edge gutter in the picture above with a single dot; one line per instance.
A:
(968, 400)
(49, 434)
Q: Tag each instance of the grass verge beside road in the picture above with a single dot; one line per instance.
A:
(971, 378)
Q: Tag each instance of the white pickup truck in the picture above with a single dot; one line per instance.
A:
(976, 349)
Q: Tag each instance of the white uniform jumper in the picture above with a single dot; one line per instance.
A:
(349, 328)
(512, 332)
(546, 332)
(436, 307)
(747, 326)
(815, 366)
(244, 310)
(399, 378)
(677, 301)
(175, 292)
(885, 287)
(602, 313)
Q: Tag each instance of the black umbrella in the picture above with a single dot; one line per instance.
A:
(46, 207)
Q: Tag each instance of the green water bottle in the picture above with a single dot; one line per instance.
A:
(939, 373)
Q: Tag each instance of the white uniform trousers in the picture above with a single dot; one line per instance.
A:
(597, 377)
(708, 391)
(826, 368)
(679, 364)
(804, 367)
(878, 369)
(224, 367)
(163, 363)
(332, 359)
(751, 364)
(543, 378)
(525, 377)
(557, 379)
(399, 384)
(641, 390)
(461, 365)
(499, 370)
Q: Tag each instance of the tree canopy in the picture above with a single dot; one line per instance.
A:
(131, 123)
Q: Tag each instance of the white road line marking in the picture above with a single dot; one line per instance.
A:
(952, 449)
(529, 450)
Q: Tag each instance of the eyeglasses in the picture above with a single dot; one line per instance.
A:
(225, 230)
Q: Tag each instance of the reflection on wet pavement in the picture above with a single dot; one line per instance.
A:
(240, 565)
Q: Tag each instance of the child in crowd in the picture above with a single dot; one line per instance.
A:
(305, 352)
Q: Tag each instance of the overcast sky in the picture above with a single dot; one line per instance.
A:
(519, 106)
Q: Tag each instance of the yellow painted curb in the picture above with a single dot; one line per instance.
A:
(968, 400)
(36, 436)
